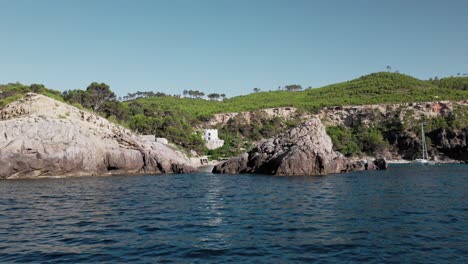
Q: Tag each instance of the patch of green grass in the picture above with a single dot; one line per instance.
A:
(4, 102)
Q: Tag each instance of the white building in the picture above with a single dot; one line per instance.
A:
(211, 139)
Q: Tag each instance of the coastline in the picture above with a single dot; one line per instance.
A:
(205, 169)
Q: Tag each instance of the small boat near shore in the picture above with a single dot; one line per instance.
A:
(421, 161)
(206, 168)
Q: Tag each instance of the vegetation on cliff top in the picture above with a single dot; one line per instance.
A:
(175, 117)
(376, 88)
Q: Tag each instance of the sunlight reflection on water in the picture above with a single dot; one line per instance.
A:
(406, 214)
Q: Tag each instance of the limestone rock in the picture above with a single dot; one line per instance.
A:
(235, 165)
(303, 150)
(222, 119)
(40, 137)
(367, 114)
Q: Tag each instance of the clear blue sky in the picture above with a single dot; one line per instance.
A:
(226, 46)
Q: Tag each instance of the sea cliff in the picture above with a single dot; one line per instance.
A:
(42, 137)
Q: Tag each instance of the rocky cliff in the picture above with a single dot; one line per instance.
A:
(446, 144)
(452, 143)
(268, 113)
(303, 150)
(41, 137)
(368, 114)
(347, 115)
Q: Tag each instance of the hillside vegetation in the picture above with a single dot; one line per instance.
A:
(175, 117)
(376, 88)
(14, 91)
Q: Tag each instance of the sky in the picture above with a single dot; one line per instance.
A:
(226, 46)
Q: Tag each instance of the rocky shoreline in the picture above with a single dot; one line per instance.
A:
(42, 137)
(448, 141)
(303, 150)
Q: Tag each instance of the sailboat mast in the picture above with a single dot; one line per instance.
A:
(423, 143)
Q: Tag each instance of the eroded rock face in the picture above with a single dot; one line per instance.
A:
(452, 143)
(222, 119)
(40, 136)
(303, 150)
(368, 114)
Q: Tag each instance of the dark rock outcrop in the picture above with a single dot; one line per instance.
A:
(303, 150)
(452, 143)
(380, 164)
(42, 137)
(447, 144)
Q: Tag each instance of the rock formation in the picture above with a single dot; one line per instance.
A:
(368, 114)
(346, 115)
(40, 137)
(448, 144)
(268, 113)
(452, 143)
(303, 150)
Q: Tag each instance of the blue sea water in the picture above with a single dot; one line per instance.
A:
(407, 214)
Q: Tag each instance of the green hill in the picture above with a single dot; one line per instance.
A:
(175, 118)
(459, 83)
(376, 88)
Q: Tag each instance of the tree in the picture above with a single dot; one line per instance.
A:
(117, 109)
(389, 68)
(77, 96)
(140, 123)
(195, 94)
(371, 140)
(99, 94)
(293, 87)
(37, 88)
(344, 140)
(256, 90)
(214, 96)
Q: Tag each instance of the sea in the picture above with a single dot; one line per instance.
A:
(406, 214)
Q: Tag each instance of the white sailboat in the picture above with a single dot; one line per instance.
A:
(425, 157)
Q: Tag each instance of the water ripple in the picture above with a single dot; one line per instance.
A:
(407, 214)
